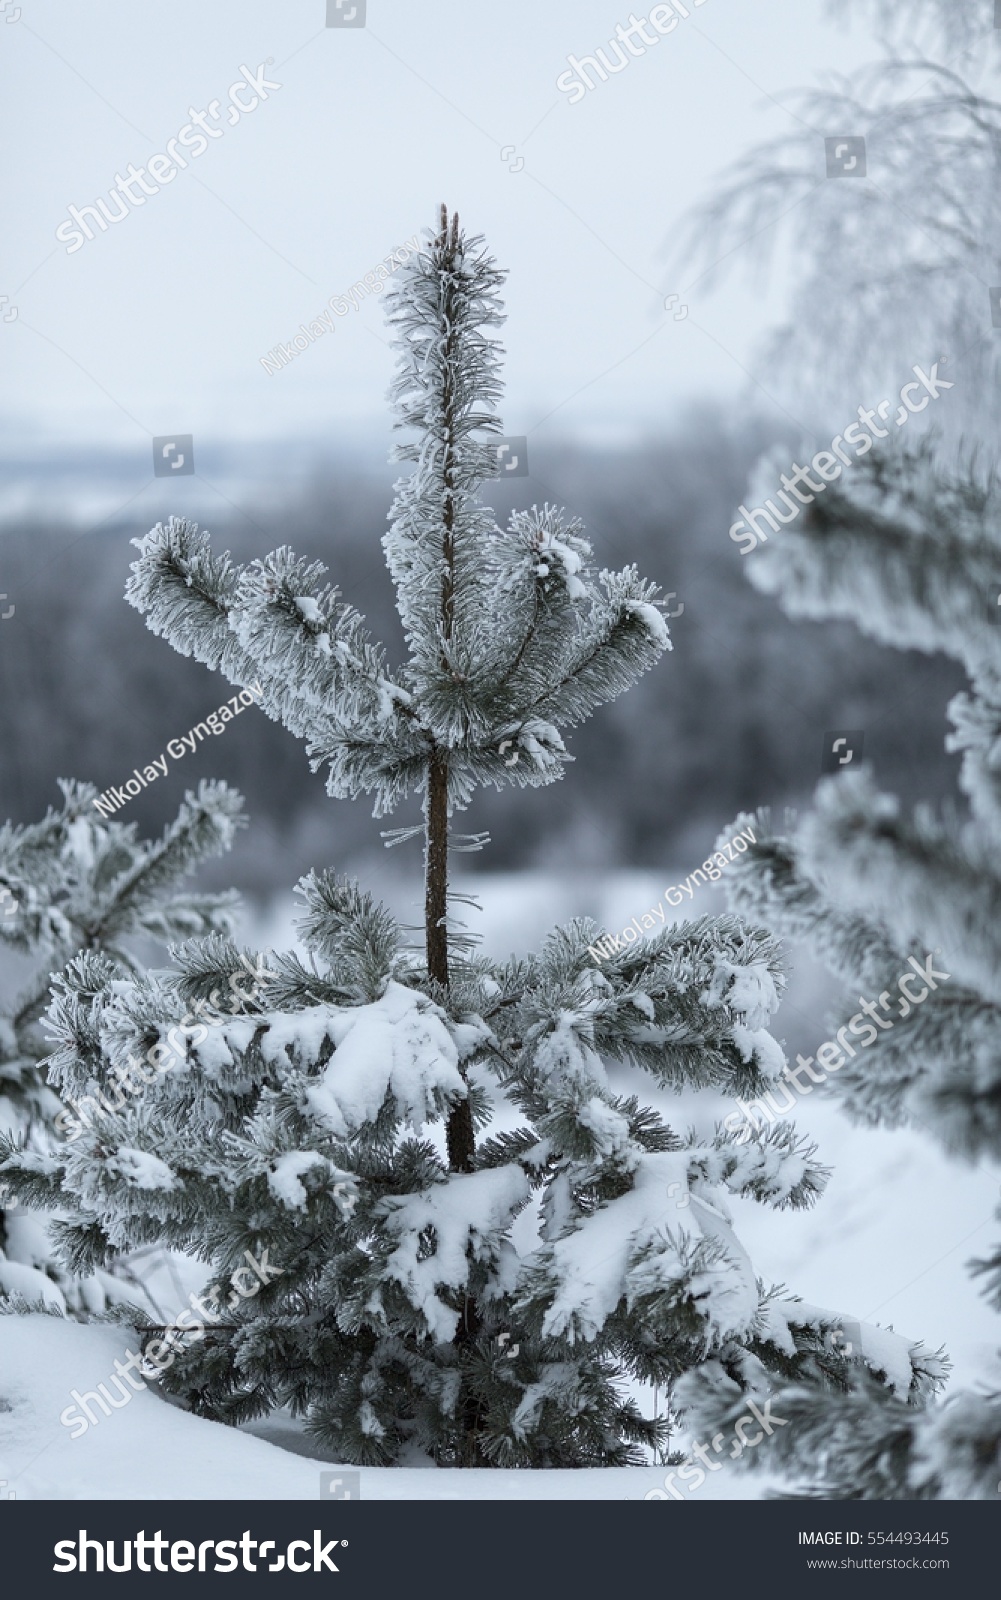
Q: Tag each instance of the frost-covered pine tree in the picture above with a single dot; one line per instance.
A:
(468, 1240)
(912, 554)
(68, 884)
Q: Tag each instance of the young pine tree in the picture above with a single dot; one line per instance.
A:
(380, 1129)
(912, 554)
(73, 883)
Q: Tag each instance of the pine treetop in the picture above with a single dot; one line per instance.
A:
(514, 637)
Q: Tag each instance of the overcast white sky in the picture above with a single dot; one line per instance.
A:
(159, 324)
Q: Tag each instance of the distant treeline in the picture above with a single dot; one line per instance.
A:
(733, 719)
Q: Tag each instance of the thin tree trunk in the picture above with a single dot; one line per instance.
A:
(461, 1140)
(436, 868)
(460, 1136)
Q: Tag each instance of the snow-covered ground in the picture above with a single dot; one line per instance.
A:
(150, 1450)
(886, 1243)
